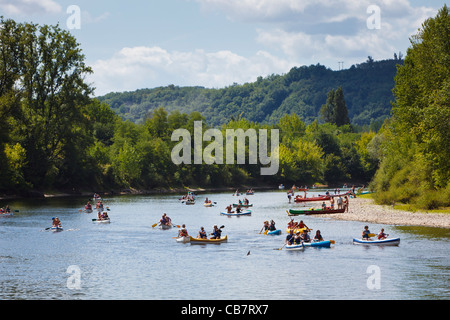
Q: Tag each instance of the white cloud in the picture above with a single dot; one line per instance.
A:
(313, 31)
(23, 7)
(147, 67)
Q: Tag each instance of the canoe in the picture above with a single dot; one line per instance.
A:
(295, 247)
(322, 198)
(9, 214)
(208, 204)
(183, 239)
(242, 213)
(323, 244)
(88, 210)
(235, 205)
(385, 242)
(202, 241)
(295, 230)
(293, 212)
(104, 221)
(190, 202)
(56, 229)
(250, 193)
(165, 226)
(274, 233)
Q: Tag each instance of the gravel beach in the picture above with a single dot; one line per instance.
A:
(363, 209)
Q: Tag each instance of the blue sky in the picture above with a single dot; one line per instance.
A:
(138, 44)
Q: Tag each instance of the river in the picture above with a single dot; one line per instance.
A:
(128, 259)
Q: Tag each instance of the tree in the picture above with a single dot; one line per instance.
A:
(335, 110)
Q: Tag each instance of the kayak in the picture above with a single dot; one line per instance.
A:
(385, 242)
(235, 205)
(243, 213)
(323, 244)
(274, 232)
(56, 229)
(183, 239)
(311, 211)
(295, 247)
(201, 241)
(88, 210)
(190, 202)
(208, 204)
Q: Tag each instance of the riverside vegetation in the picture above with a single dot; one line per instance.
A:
(55, 135)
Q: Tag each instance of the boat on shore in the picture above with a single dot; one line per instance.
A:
(319, 198)
(293, 212)
(205, 241)
(385, 242)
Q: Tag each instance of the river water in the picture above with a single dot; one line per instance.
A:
(128, 259)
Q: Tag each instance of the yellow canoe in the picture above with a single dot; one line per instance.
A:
(295, 230)
(196, 240)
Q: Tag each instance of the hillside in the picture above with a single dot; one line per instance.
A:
(303, 90)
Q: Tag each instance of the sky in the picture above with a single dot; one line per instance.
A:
(137, 44)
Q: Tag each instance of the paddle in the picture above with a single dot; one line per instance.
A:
(281, 247)
(155, 225)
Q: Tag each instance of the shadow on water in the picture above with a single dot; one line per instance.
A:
(430, 233)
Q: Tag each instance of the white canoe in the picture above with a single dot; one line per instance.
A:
(56, 229)
(242, 213)
(385, 242)
(104, 221)
(165, 226)
(295, 247)
(184, 239)
(9, 214)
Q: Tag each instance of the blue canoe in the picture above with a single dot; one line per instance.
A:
(274, 232)
(322, 244)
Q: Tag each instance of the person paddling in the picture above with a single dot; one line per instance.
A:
(183, 232)
(165, 220)
(216, 234)
(202, 234)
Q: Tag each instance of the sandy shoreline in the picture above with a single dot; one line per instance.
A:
(365, 210)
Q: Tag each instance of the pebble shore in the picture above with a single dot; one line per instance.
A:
(365, 210)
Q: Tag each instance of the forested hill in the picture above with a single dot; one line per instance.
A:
(303, 90)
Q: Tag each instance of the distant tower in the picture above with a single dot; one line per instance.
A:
(341, 65)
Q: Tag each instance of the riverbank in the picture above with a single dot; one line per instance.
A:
(365, 210)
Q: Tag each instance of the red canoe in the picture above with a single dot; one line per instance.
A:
(321, 198)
